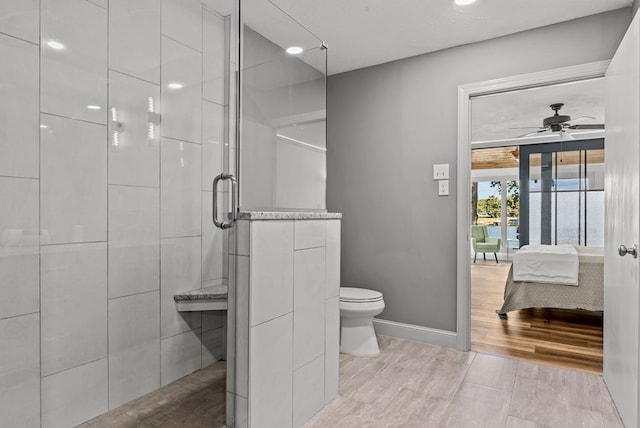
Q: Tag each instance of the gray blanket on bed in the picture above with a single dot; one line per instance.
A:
(589, 294)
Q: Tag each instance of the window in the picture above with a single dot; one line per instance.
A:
(563, 193)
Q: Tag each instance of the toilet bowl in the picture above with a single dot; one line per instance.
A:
(358, 306)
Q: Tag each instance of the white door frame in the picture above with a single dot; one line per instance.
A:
(465, 93)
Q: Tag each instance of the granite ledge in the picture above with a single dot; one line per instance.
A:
(214, 292)
(288, 215)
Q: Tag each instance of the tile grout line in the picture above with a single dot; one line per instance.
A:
(160, 204)
(40, 206)
(75, 367)
(202, 346)
(108, 80)
(124, 73)
(2, 33)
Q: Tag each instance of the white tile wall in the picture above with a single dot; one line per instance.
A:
(271, 270)
(64, 180)
(180, 271)
(74, 396)
(212, 142)
(74, 305)
(134, 38)
(134, 146)
(241, 412)
(293, 356)
(182, 21)
(242, 326)
(73, 185)
(20, 18)
(212, 242)
(333, 258)
(308, 306)
(310, 234)
(20, 371)
(211, 346)
(102, 3)
(180, 355)
(212, 320)
(18, 105)
(134, 240)
(232, 328)
(271, 400)
(181, 107)
(331, 348)
(213, 282)
(180, 194)
(223, 7)
(213, 64)
(19, 251)
(308, 391)
(239, 239)
(134, 347)
(75, 77)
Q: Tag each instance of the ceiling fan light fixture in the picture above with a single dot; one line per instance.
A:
(464, 2)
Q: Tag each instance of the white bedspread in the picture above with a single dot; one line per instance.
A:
(546, 263)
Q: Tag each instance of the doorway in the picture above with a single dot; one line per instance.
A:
(491, 210)
(559, 337)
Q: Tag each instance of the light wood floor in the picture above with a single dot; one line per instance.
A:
(412, 385)
(416, 385)
(572, 339)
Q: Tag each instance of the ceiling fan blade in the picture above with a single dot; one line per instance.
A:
(528, 127)
(579, 119)
(588, 126)
(532, 133)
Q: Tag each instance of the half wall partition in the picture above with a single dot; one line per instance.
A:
(285, 249)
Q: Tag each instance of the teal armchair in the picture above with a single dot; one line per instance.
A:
(482, 243)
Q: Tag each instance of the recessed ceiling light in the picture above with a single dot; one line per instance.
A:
(55, 45)
(464, 2)
(93, 107)
(294, 50)
(174, 85)
(43, 126)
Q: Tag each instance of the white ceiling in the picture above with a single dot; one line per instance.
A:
(493, 117)
(362, 33)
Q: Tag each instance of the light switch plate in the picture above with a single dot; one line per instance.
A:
(443, 188)
(441, 171)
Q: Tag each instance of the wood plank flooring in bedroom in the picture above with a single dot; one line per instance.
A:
(572, 339)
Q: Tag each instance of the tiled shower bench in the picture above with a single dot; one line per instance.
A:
(212, 298)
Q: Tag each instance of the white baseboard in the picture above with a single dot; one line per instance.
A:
(415, 333)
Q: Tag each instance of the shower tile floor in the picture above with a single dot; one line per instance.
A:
(194, 401)
(407, 385)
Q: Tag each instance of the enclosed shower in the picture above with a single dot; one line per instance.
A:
(117, 117)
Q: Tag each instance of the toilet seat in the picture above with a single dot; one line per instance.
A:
(359, 295)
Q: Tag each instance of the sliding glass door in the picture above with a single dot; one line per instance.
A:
(562, 193)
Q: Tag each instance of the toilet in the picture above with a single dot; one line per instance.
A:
(358, 306)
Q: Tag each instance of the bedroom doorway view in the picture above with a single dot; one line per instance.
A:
(534, 191)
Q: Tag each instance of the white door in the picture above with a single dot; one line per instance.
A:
(622, 187)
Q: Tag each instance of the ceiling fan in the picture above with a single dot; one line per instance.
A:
(561, 123)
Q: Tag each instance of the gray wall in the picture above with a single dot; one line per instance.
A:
(387, 126)
(635, 6)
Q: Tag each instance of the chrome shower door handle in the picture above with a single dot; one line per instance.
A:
(231, 216)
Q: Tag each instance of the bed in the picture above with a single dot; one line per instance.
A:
(588, 294)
